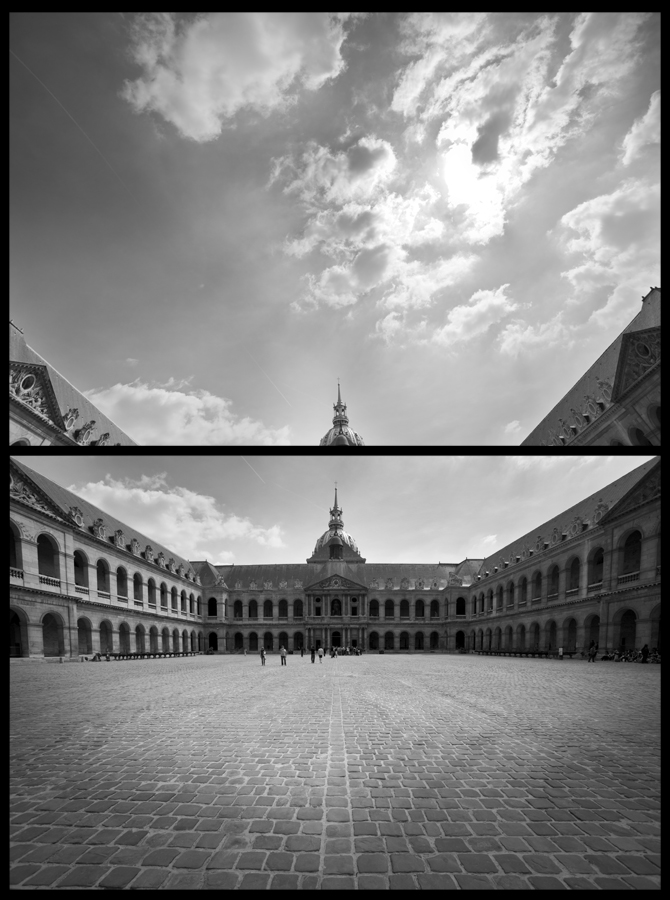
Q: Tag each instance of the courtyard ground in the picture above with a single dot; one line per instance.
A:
(401, 772)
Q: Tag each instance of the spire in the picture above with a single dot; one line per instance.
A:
(335, 515)
(341, 434)
(340, 418)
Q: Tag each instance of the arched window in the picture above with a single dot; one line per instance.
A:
(489, 599)
(103, 576)
(374, 611)
(80, 569)
(297, 609)
(47, 557)
(388, 640)
(523, 590)
(197, 604)
(499, 597)
(481, 602)
(418, 640)
(435, 609)
(553, 582)
(596, 566)
(434, 640)
(174, 599)
(510, 594)
(419, 609)
(253, 609)
(267, 609)
(404, 611)
(191, 603)
(237, 609)
(121, 582)
(474, 606)
(389, 610)
(15, 561)
(253, 642)
(638, 438)
(373, 641)
(537, 586)
(164, 595)
(151, 589)
(404, 640)
(573, 574)
(283, 609)
(182, 601)
(632, 554)
(211, 607)
(460, 606)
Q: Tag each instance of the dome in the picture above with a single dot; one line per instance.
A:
(342, 436)
(343, 537)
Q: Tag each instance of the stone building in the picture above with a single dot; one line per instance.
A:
(617, 402)
(80, 581)
(341, 435)
(46, 410)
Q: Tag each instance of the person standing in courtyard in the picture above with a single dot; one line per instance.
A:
(262, 656)
(320, 654)
(644, 653)
(282, 653)
(302, 651)
(312, 653)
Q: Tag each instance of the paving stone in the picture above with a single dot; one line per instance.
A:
(120, 877)
(47, 876)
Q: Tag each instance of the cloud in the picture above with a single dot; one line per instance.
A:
(164, 414)
(132, 362)
(177, 517)
(489, 539)
(465, 322)
(199, 72)
(519, 337)
(513, 428)
(646, 130)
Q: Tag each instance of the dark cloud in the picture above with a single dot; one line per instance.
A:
(485, 148)
(362, 159)
(370, 265)
(354, 224)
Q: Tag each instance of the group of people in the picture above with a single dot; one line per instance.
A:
(640, 656)
(334, 652)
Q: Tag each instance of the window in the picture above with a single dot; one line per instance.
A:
(211, 608)
(253, 609)
(435, 609)
(80, 569)
(298, 609)
(374, 609)
(523, 590)
(632, 553)
(103, 576)
(389, 610)
(283, 609)
(596, 564)
(553, 582)
(404, 610)
(121, 582)
(419, 609)
(537, 586)
(267, 609)
(460, 606)
(174, 597)
(336, 607)
(573, 575)
(137, 589)
(164, 595)
(237, 609)
(510, 594)
(499, 598)
(354, 606)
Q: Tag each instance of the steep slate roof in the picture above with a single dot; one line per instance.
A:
(362, 573)
(610, 495)
(603, 369)
(67, 396)
(65, 499)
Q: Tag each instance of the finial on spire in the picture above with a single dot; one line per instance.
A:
(339, 399)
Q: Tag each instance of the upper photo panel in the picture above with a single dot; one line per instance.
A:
(335, 229)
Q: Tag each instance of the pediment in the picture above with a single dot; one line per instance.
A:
(336, 582)
(647, 489)
(24, 491)
(30, 385)
(640, 353)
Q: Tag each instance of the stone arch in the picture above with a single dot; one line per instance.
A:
(550, 635)
(48, 557)
(389, 609)
(404, 640)
(509, 641)
(552, 581)
(521, 637)
(460, 640)
(53, 636)
(374, 609)
(106, 637)
(298, 640)
(434, 640)
(15, 553)
(510, 594)
(419, 609)
(183, 602)
(336, 638)
(389, 640)
(488, 638)
(418, 640)
(625, 628)
(238, 641)
(595, 565)
(213, 642)
(175, 640)
(638, 438)
(19, 645)
(194, 641)
(124, 637)
(253, 609)
(480, 639)
(165, 640)
(268, 640)
(460, 606)
(283, 608)
(80, 568)
(138, 589)
(404, 609)
(435, 609)
(473, 639)
(184, 641)
(153, 639)
(489, 598)
(298, 609)
(283, 640)
(174, 599)
(573, 572)
(534, 636)
(164, 595)
(497, 639)
(536, 592)
(570, 634)
(238, 609)
(499, 597)
(373, 640)
(267, 610)
(102, 573)
(523, 590)
(84, 636)
(253, 642)
(200, 641)
(592, 629)
(140, 635)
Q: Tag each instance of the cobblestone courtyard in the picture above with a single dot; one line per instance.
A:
(402, 772)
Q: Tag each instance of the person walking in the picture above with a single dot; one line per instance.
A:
(262, 656)
(320, 654)
(302, 651)
(312, 653)
(282, 653)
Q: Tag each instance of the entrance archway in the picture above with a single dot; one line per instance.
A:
(627, 630)
(268, 640)
(460, 640)
(106, 645)
(52, 636)
(336, 639)
(84, 636)
(213, 641)
(239, 640)
(18, 635)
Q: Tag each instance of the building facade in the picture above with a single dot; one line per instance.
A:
(617, 402)
(81, 581)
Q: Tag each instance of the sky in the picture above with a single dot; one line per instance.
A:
(259, 508)
(215, 217)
